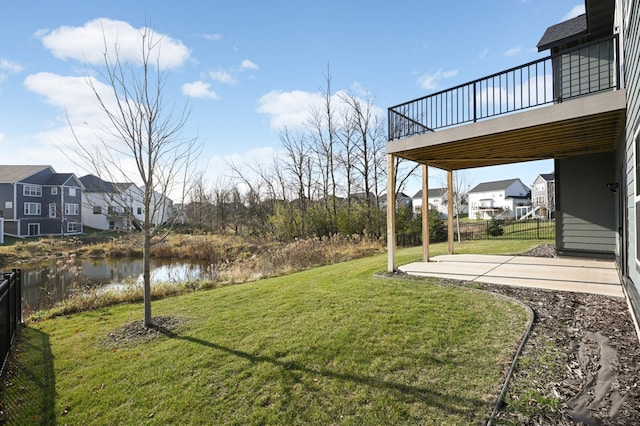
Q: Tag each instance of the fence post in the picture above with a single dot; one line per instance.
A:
(18, 275)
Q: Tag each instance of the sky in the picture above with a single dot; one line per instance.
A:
(248, 68)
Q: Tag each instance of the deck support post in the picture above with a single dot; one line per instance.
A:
(450, 196)
(425, 213)
(391, 214)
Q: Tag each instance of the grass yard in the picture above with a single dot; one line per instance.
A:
(331, 345)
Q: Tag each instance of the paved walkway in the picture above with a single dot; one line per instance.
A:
(582, 275)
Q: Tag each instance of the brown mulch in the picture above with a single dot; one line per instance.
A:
(135, 332)
(583, 360)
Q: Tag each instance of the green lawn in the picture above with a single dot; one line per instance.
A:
(332, 345)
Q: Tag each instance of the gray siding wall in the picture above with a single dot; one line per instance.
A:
(587, 70)
(585, 212)
(630, 161)
(6, 194)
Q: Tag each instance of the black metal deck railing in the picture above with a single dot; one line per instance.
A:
(584, 70)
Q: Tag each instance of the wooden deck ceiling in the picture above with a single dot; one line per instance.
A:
(586, 125)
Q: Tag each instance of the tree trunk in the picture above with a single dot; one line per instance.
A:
(146, 276)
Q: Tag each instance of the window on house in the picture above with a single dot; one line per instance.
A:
(72, 192)
(32, 190)
(52, 210)
(54, 190)
(139, 210)
(97, 210)
(32, 209)
(71, 209)
(73, 227)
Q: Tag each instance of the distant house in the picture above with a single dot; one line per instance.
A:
(109, 205)
(35, 200)
(104, 205)
(438, 199)
(500, 199)
(402, 200)
(543, 195)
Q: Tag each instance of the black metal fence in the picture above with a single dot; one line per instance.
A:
(586, 69)
(508, 229)
(10, 311)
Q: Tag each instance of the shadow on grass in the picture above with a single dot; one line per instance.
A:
(446, 402)
(28, 388)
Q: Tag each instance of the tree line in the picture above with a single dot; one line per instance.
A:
(330, 178)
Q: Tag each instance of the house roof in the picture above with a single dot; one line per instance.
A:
(95, 184)
(15, 173)
(564, 32)
(548, 176)
(433, 193)
(498, 185)
(59, 178)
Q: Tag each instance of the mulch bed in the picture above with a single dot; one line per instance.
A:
(592, 369)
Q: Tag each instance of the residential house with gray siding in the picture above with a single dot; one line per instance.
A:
(35, 200)
(579, 105)
(543, 195)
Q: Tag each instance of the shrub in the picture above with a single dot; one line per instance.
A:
(494, 228)
(437, 227)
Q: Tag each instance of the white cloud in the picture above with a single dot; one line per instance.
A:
(289, 109)
(211, 37)
(432, 81)
(69, 93)
(223, 77)
(248, 65)
(87, 43)
(2, 137)
(483, 53)
(577, 10)
(198, 89)
(294, 109)
(80, 119)
(9, 66)
(513, 51)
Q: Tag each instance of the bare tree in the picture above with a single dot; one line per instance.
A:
(323, 130)
(369, 134)
(143, 141)
(460, 197)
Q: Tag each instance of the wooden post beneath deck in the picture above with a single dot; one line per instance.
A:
(391, 214)
(425, 213)
(450, 210)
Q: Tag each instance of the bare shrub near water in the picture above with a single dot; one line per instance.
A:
(298, 255)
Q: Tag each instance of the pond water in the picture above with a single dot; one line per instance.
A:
(46, 283)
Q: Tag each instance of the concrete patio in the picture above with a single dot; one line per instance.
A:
(582, 275)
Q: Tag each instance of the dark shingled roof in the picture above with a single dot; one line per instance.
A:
(494, 186)
(95, 184)
(548, 176)
(563, 32)
(59, 179)
(435, 192)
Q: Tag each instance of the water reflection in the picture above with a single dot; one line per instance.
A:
(46, 283)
